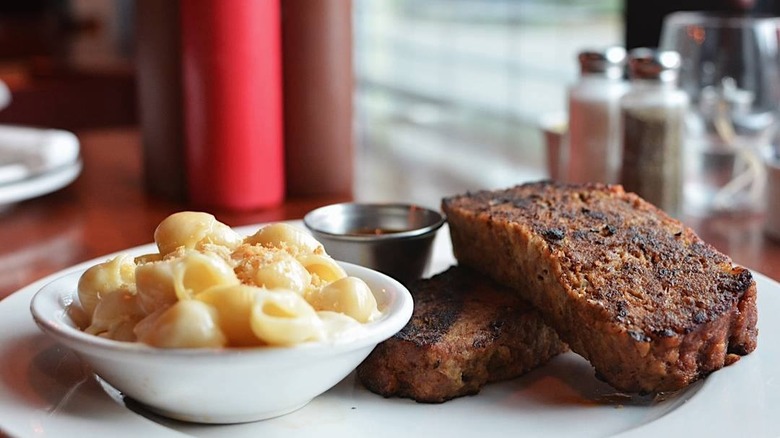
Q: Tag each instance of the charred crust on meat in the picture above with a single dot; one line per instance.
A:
(608, 230)
(580, 234)
(622, 309)
(445, 304)
(466, 330)
(554, 234)
(665, 333)
(638, 336)
(620, 266)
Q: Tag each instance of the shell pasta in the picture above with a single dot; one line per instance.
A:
(285, 318)
(209, 287)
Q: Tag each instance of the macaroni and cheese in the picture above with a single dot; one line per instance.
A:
(207, 286)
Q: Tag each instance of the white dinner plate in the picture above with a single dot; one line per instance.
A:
(45, 391)
(40, 184)
(36, 161)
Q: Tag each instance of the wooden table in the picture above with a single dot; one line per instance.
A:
(106, 210)
(743, 239)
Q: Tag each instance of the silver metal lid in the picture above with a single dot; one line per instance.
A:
(654, 64)
(609, 61)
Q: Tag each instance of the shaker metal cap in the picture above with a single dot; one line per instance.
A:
(609, 61)
(654, 64)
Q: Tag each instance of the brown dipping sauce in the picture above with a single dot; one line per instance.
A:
(369, 231)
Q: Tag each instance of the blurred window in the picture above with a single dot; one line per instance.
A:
(461, 84)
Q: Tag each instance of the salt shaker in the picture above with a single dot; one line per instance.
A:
(653, 114)
(594, 117)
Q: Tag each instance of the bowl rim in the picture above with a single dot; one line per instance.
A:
(49, 311)
(310, 217)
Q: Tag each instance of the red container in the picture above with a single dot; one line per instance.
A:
(233, 119)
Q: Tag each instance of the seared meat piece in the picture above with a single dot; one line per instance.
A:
(637, 293)
(466, 331)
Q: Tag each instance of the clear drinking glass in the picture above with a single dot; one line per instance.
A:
(731, 71)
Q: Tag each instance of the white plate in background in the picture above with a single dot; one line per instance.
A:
(36, 161)
(44, 391)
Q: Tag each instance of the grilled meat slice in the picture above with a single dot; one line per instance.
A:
(637, 293)
(466, 331)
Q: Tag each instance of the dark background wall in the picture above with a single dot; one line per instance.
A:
(643, 18)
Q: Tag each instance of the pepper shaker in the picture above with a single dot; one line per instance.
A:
(653, 114)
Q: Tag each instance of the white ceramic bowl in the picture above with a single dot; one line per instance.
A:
(222, 385)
